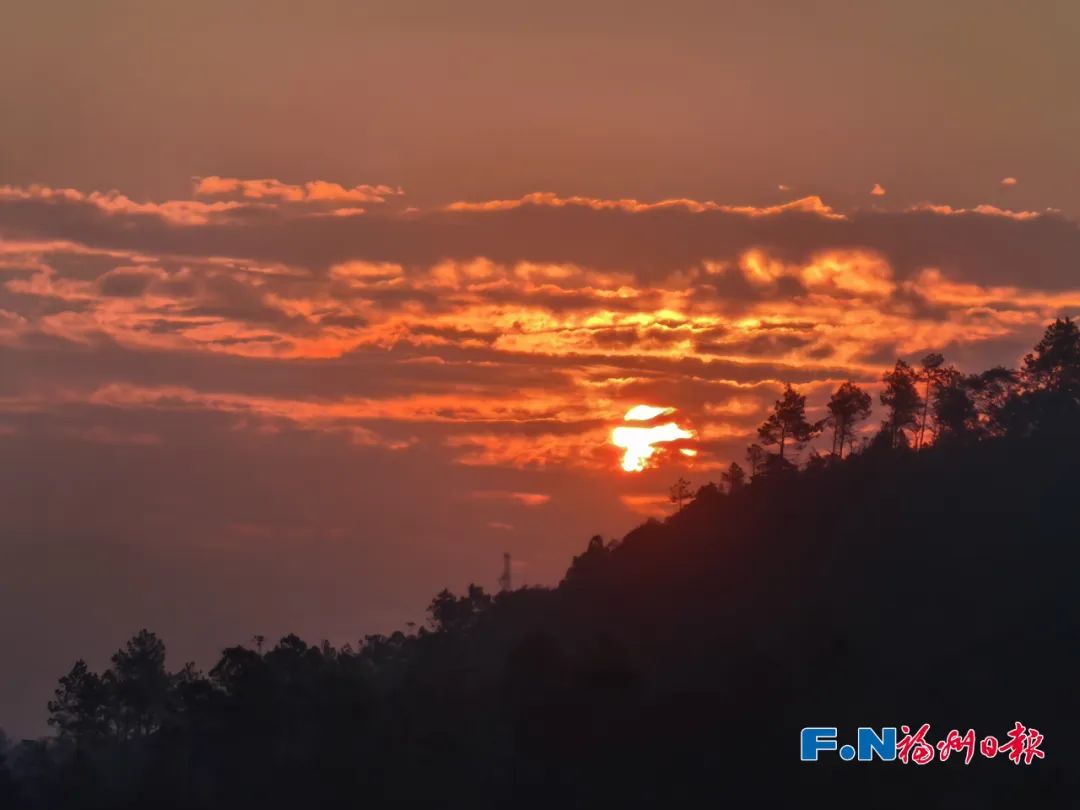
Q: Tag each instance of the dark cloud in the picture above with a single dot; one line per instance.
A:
(128, 282)
(982, 247)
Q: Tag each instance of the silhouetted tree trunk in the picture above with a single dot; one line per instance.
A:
(931, 363)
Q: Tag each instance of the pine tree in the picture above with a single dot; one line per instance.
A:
(848, 406)
(679, 493)
(955, 412)
(1055, 362)
(79, 708)
(932, 374)
(734, 478)
(787, 423)
(903, 401)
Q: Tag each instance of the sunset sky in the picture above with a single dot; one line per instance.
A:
(309, 310)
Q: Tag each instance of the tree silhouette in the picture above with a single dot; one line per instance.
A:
(903, 401)
(733, 478)
(955, 411)
(452, 613)
(679, 492)
(80, 706)
(931, 374)
(1046, 397)
(756, 457)
(1055, 362)
(1050, 401)
(9, 790)
(787, 423)
(848, 406)
(141, 685)
(992, 391)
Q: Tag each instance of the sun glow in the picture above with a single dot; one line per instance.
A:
(643, 413)
(639, 442)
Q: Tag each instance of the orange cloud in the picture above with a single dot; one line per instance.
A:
(447, 408)
(522, 358)
(12, 326)
(528, 451)
(934, 286)
(523, 498)
(246, 193)
(844, 271)
(656, 506)
(178, 212)
(367, 272)
(734, 406)
(878, 190)
(714, 431)
(984, 210)
(311, 191)
(842, 302)
(812, 205)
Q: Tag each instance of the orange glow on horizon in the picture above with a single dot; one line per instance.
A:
(639, 442)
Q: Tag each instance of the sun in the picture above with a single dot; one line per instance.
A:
(639, 443)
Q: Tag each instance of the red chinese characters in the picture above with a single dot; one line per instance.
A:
(1023, 744)
(954, 743)
(914, 747)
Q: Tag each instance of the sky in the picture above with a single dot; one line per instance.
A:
(310, 310)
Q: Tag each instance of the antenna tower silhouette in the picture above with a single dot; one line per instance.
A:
(505, 582)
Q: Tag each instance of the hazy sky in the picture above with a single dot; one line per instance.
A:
(477, 99)
(310, 309)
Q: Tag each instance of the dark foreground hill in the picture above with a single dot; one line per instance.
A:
(678, 665)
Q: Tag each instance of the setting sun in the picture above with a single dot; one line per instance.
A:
(643, 413)
(639, 442)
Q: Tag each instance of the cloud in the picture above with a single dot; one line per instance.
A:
(878, 190)
(588, 449)
(648, 241)
(1008, 182)
(933, 286)
(512, 333)
(312, 191)
(245, 198)
(813, 205)
(178, 212)
(441, 408)
(523, 498)
(980, 210)
(734, 406)
(656, 506)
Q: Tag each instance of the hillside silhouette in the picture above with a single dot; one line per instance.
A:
(925, 575)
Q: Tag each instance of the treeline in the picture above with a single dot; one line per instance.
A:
(931, 403)
(875, 586)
